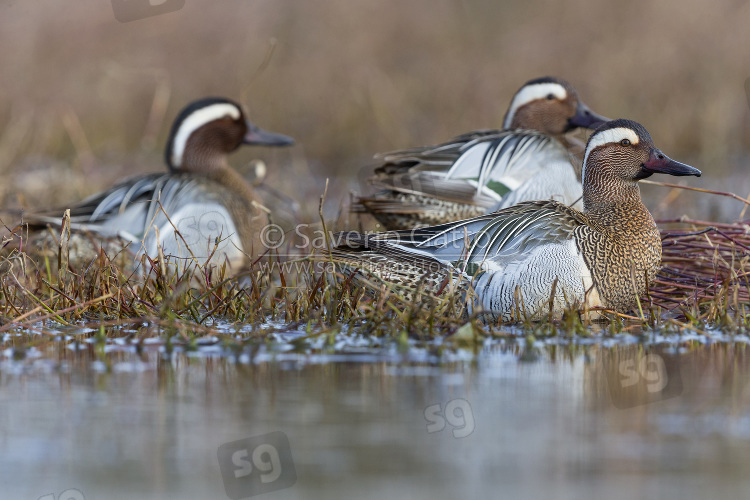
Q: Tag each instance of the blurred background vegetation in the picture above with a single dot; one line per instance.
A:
(86, 100)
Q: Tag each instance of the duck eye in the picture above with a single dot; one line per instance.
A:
(550, 97)
(625, 142)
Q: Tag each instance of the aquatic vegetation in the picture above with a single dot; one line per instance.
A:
(100, 302)
(702, 289)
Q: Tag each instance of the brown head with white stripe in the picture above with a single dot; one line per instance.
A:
(207, 130)
(618, 155)
(551, 106)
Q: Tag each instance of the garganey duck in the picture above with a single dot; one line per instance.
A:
(201, 208)
(530, 159)
(518, 258)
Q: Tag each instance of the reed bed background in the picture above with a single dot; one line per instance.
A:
(86, 100)
(705, 267)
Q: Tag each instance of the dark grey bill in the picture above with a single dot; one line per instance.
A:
(258, 136)
(659, 163)
(586, 118)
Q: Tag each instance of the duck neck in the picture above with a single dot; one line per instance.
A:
(215, 167)
(577, 151)
(202, 161)
(615, 203)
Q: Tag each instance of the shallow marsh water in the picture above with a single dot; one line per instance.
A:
(603, 418)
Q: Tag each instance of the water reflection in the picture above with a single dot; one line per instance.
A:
(617, 421)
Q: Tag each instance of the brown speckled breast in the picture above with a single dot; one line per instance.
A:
(623, 251)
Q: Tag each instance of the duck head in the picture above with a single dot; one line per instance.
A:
(618, 155)
(207, 130)
(551, 106)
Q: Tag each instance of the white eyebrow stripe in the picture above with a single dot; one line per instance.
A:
(195, 121)
(531, 93)
(612, 135)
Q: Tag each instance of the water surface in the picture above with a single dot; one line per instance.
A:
(608, 419)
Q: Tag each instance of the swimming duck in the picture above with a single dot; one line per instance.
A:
(537, 258)
(201, 208)
(482, 171)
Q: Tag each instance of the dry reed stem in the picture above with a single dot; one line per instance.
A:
(702, 262)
